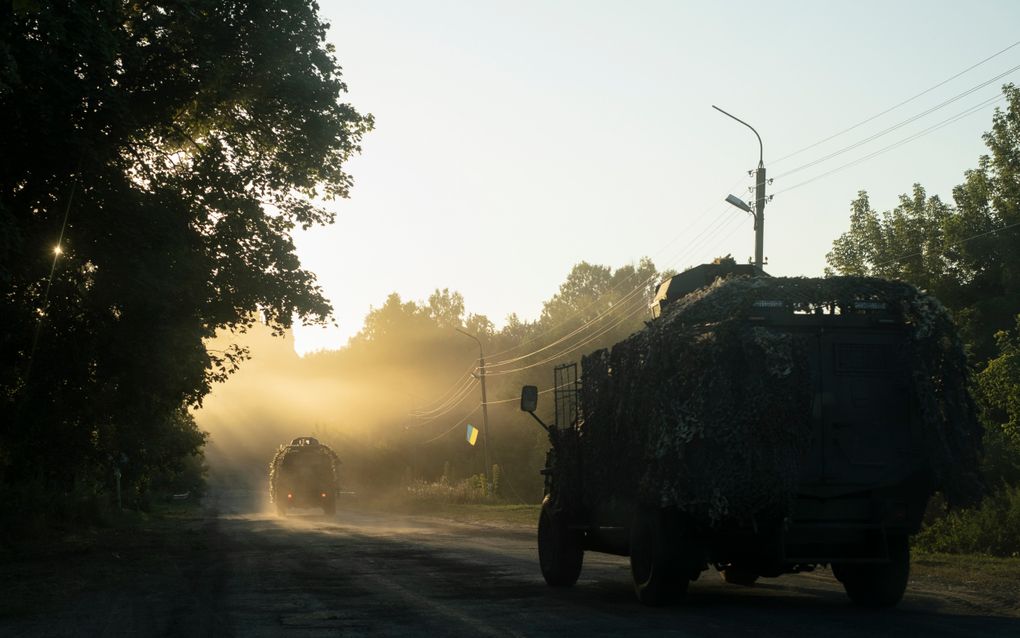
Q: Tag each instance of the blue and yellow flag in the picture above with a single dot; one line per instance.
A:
(472, 434)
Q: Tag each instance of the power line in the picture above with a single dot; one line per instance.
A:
(545, 391)
(634, 310)
(911, 138)
(611, 289)
(717, 224)
(442, 400)
(898, 125)
(586, 325)
(465, 380)
(463, 397)
(455, 426)
(896, 106)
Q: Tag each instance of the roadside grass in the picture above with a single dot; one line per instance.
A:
(42, 572)
(991, 578)
(970, 569)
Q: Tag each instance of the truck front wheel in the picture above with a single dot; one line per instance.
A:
(659, 576)
(560, 552)
(878, 585)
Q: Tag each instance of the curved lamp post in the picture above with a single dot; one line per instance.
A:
(759, 196)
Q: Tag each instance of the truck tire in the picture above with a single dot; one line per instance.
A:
(878, 585)
(560, 549)
(654, 559)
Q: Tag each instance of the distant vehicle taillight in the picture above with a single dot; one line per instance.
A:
(290, 496)
(323, 495)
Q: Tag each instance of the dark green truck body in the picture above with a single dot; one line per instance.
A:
(839, 476)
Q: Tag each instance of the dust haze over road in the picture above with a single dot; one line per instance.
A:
(371, 573)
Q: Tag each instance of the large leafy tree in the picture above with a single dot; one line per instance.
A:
(964, 253)
(169, 149)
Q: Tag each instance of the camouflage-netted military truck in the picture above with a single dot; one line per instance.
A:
(304, 474)
(762, 426)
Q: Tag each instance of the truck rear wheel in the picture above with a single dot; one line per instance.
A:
(654, 559)
(560, 552)
(878, 585)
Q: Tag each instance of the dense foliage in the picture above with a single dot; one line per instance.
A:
(966, 254)
(154, 160)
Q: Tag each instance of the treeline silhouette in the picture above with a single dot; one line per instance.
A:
(396, 400)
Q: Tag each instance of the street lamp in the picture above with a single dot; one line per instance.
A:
(739, 203)
(759, 197)
(485, 409)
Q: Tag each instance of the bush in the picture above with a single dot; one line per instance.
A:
(470, 490)
(992, 528)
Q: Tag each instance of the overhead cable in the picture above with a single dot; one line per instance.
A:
(455, 426)
(639, 307)
(898, 125)
(911, 138)
(452, 406)
(611, 289)
(896, 106)
(453, 389)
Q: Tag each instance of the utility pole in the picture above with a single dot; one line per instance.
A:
(759, 197)
(485, 410)
(759, 216)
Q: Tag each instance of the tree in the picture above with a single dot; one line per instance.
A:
(999, 393)
(1000, 383)
(446, 308)
(592, 289)
(964, 253)
(169, 150)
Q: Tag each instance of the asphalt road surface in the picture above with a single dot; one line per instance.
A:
(378, 574)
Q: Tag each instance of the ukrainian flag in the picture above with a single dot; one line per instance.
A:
(472, 434)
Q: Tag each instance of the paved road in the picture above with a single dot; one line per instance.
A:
(364, 573)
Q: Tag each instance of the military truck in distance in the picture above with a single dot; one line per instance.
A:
(304, 474)
(762, 426)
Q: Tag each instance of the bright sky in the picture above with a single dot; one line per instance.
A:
(515, 139)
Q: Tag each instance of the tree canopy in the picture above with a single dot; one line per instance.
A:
(164, 152)
(965, 252)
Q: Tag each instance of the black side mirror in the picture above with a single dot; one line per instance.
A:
(529, 398)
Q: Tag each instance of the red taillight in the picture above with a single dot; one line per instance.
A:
(323, 495)
(291, 496)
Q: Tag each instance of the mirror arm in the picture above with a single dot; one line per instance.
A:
(540, 422)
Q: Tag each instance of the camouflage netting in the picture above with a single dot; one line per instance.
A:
(285, 450)
(710, 413)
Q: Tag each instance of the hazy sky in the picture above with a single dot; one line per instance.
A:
(514, 139)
